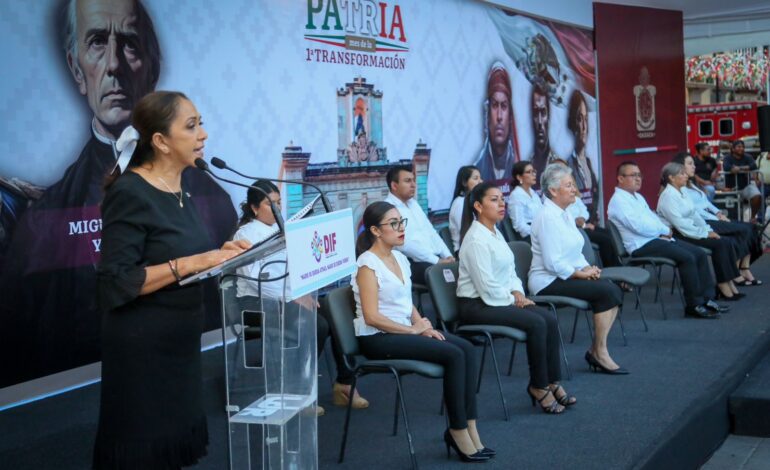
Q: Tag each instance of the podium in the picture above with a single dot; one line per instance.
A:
(270, 351)
(271, 378)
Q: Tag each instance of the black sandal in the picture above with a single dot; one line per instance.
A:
(555, 408)
(745, 282)
(564, 400)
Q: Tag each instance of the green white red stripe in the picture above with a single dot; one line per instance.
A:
(659, 148)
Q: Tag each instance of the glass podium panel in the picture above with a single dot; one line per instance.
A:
(271, 378)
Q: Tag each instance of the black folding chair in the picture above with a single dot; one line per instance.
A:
(342, 312)
(442, 283)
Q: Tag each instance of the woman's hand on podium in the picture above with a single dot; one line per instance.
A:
(203, 261)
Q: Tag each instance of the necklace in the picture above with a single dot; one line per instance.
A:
(181, 193)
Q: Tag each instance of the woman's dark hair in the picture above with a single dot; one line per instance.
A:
(469, 212)
(518, 170)
(254, 197)
(373, 216)
(680, 158)
(153, 113)
(463, 175)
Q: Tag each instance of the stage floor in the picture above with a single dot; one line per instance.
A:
(619, 422)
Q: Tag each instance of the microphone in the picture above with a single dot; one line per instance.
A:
(222, 165)
(203, 166)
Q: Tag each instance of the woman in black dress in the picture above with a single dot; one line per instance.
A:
(151, 415)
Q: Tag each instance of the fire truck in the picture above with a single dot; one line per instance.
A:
(719, 124)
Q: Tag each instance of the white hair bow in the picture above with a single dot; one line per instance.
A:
(126, 145)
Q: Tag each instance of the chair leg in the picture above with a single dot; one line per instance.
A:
(588, 322)
(637, 291)
(395, 409)
(574, 326)
(328, 361)
(481, 367)
(497, 374)
(658, 297)
(620, 321)
(347, 418)
(406, 419)
(513, 354)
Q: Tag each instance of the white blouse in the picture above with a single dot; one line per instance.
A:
(677, 211)
(456, 220)
(487, 267)
(557, 247)
(578, 209)
(522, 209)
(394, 298)
(254, 232)
(705, 208)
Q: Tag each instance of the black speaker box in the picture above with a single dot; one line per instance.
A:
(763, 120)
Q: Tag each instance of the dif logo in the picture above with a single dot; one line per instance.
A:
(326, 244)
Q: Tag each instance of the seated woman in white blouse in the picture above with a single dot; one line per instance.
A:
(490, 293)
(257, 223)
(524, 202)
(388, 326)
(678, 212)
(467, 177)
(559, 268)
(742, 232)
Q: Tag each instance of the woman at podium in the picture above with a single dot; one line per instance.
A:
(257, 223)
(151, 414)
(388, 326)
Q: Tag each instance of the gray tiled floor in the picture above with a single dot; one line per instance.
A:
(741, 453)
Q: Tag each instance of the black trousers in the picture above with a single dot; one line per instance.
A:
(723, 256)
(418, 271)
(601, 236)
(601, 293)
(540, 324)
(692, 263)
(456, 355)
(740, 233)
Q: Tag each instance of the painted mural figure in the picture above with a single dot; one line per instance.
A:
(585, 177)
(499, 152)
(113, 55)
(542, 154)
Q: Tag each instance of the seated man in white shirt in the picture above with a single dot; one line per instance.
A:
(422, 245)
(644, 234)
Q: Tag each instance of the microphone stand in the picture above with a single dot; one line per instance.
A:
(202, 165)
(222, 165)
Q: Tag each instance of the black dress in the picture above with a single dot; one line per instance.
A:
(151, 415)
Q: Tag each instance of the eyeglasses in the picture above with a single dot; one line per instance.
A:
(396, 225)
(634, 175)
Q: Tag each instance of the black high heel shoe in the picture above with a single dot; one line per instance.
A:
(733, 298)
(597, 366)
(554, 408)
(488, 452)
(565, 400)
(450, 443)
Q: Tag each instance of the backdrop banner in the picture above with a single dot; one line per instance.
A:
(335, 92)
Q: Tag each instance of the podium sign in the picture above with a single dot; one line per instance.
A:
(320, 250)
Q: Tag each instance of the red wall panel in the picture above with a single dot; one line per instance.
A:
(626, 40)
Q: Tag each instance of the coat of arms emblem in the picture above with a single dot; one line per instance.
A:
(644, 93)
